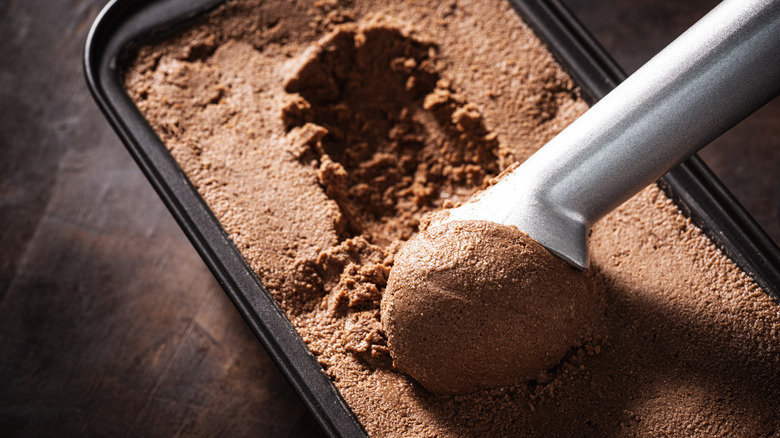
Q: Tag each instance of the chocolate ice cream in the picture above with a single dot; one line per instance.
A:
(320, 134)
(474, 304)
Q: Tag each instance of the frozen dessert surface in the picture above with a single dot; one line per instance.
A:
(474, 304)
(318, 190)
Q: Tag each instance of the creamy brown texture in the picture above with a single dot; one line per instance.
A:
(318, 206)
(473, 305)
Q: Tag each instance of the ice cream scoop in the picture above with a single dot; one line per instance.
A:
(718, 72)
(476, 304)
(473, 302)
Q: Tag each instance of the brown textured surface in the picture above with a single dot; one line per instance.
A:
(477, 305)
(320, 154)
(140, 351)
(110, 322)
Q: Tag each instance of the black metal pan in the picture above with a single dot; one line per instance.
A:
(692, 185)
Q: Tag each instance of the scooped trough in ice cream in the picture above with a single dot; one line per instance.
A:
(475, 304)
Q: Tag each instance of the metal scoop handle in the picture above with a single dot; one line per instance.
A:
(718, 72)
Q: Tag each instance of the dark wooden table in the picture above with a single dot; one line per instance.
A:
(110, 324)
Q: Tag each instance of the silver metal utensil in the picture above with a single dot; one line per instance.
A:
(719, 71)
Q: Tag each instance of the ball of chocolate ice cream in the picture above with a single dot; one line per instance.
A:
(475, 304)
